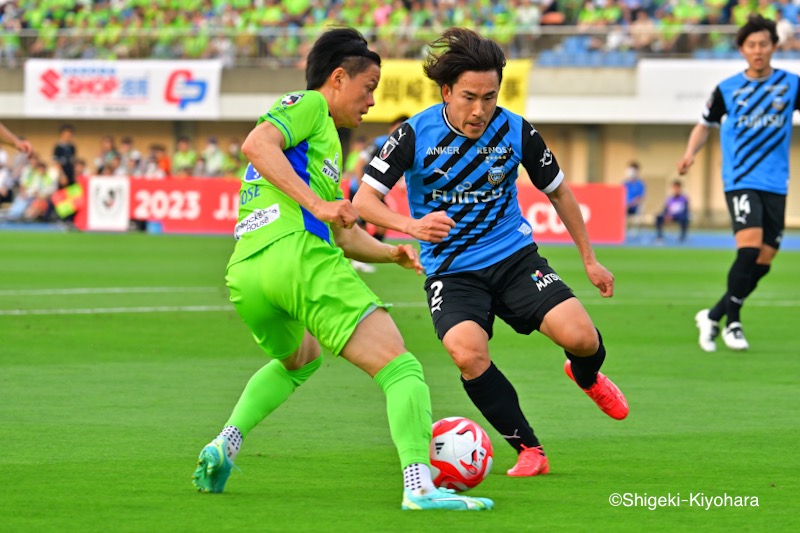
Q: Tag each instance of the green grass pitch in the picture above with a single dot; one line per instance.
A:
(120, 357)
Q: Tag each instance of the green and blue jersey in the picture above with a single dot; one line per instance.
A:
(314, 151)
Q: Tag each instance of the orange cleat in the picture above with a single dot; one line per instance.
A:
(531, 462)
(605, 394)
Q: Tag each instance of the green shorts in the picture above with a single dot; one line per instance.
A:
(298, 283)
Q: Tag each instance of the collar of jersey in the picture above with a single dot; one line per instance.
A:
(446, 121)
(764, 78)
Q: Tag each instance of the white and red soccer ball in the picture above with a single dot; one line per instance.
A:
(461, 453)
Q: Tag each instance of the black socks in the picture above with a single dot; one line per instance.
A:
(743, 277)
(585, 369)
(497, 400)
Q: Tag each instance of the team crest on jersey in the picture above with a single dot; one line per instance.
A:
(390, 144)
(496, 175)
(778, 103)
(331, 168)
(291, 99)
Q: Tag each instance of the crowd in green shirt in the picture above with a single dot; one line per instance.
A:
(242, 31)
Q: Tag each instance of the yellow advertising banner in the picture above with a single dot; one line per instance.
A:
(404, 89)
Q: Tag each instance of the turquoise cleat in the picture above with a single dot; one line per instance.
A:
(444, 499)
(213, 467)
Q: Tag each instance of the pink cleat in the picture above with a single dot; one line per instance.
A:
(531, 462)
(605, 394)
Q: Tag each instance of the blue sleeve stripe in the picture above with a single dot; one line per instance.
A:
(298, 157)
(282, 125)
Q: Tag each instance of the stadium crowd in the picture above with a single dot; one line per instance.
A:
(279, 32)
(28, 182)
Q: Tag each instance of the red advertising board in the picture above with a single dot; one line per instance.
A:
(191, 205)
(196, 205)
(602, 206)
(210, 206)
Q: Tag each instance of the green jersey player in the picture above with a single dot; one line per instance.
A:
(291, 284)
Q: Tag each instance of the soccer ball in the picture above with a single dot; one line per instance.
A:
(461, 453)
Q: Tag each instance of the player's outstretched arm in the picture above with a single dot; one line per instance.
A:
(697, 139)
(433, 227)
(568, 209)
(264, 149)
(361, 246)
(7, 137)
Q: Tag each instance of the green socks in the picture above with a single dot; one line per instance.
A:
(266, 391)
(408, 405)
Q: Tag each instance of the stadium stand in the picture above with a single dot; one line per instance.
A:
(570, 33)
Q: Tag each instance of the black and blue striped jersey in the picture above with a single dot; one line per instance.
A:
(474, 181)
(757, 130)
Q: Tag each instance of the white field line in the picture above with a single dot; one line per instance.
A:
(104, 290)
(167, 290)
(117, 310)
(228, 308)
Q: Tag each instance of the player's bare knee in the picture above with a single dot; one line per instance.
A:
(583, 342)
(472, 363)
(307, 351)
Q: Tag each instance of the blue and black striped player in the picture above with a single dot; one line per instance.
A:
(460, 159)
(755, 135)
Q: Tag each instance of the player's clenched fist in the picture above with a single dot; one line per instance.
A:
(339, 212)
(433, 227)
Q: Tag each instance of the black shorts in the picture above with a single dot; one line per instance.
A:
(750, 208)
(520, 289)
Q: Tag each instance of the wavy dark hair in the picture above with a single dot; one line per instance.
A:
(755, 24)
(339, 47)
(461, 50)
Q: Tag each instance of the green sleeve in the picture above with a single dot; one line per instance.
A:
(297, 115)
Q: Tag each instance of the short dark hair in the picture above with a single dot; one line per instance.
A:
(755, 24)
(400, 119)
(339, 47)
(460, 50)
(65, 127)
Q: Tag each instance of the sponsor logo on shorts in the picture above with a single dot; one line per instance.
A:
(257, 219)
(543, 280)
(436, 298)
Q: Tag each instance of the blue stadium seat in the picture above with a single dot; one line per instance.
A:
(614, 58)
(547, 58)
(576, 43)
(629, 58)
(595, 59)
